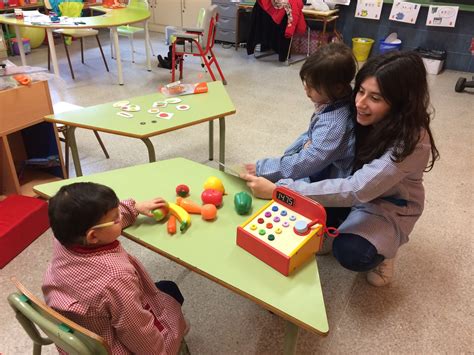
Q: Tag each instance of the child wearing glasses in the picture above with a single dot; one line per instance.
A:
(94, 282)
(326, 150)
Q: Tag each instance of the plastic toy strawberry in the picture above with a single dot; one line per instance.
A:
(182, 190)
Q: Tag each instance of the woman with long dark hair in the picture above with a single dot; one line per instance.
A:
(381, 201)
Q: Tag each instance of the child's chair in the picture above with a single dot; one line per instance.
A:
(74, 9)
(129, 30)
(32, 314)
(197, 43)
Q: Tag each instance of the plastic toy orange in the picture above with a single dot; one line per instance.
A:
(171, 226)
(188, 205)
(22, 79)
(208, 212)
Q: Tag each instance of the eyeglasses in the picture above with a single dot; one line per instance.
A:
(108, 224)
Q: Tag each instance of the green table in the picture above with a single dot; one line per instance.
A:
(138, 12)
(215, 104)
(209, 248)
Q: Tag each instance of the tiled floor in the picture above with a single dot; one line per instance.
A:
(428, 308)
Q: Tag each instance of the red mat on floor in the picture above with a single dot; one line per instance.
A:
(22, 220)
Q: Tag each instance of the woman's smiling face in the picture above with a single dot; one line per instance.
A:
(370, 104)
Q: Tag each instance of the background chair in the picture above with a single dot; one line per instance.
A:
(65, 107)
(32, 314)
(129, 31)
(74, 9)
(198, 45)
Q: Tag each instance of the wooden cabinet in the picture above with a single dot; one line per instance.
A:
(226, 25)
(24, 135)
(178, 13)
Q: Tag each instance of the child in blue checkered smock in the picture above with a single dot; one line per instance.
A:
(326, 149)
(381, 201)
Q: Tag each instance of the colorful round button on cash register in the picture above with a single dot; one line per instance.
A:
(292, 218)
(276, 219)
(268, 214)
(253, 227)
(271, 237)
(285, 224)
(261, 232)
(278, 231)
(301, 227)
(283, 213)
(269, 226)
(275, 208)
(260, 220)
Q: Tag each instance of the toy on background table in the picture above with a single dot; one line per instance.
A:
(178, 89)
(242, 202)
(285, 232)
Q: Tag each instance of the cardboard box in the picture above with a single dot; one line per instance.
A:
(433, 66)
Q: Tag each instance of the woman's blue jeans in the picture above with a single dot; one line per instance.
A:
(351, 250)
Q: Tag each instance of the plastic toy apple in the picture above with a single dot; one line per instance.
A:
(214, 183)
(212, 196)
(208, 212)
(182, 190)
(160, 213)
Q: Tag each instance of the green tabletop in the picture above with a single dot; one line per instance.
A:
(108, 18)
(209, 248)
(203, 107)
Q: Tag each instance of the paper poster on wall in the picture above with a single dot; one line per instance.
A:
(442, 16)
(403, 11)
(369, 9)
(338, 2)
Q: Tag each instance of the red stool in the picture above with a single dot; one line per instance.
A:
(22, 220)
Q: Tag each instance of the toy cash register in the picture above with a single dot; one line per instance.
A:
(285, 232)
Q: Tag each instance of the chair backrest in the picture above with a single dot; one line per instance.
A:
(71, 8)
(143, 4)
(200, 19)
(69, 336)
(209, 26)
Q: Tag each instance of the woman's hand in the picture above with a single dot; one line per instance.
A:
(260, 187)
(251, 169)
(145, 207)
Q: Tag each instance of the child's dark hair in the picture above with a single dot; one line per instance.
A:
(401, 77)
(330, 71)
(78, 207)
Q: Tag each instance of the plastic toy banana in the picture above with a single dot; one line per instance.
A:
(180, 213)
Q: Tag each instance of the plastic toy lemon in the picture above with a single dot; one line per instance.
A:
(214, 183)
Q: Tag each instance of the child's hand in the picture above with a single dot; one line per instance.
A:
(260, 187)
(251, 169)
(145, 207)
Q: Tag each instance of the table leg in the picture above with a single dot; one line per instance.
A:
(19, 42)
(221, 142)
(71, 140)
(151, 149)
(52, 50)
(291, 336)
(211, 140)
(147, 47)
(117, 54)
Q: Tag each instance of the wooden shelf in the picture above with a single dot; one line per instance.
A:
(23, 135)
